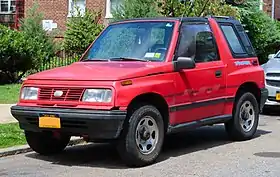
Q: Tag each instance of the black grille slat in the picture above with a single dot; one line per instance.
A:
(273, 74)
(274, 83)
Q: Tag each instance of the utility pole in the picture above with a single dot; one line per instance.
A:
(273, 10)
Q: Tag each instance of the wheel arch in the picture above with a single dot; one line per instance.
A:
(251, 87)
(154, 99)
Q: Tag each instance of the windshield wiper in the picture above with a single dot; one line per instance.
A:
(116, 59)
(128, 59)
(94, 59)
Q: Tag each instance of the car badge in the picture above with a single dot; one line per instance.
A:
(58, 93)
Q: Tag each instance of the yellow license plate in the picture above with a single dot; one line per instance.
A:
(49, 121)
(278, 96)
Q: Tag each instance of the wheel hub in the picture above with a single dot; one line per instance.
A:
(247, 116)
(146, 135)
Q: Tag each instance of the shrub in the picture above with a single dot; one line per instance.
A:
(82, 31)
(263, 32)
(41, 43)
(135, 9)
(197, 8)
(15, 55)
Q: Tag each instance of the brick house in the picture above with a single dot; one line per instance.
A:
(271, 7)
(56, 12)
(11, 11)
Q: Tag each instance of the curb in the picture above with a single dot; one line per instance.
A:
(25, 148)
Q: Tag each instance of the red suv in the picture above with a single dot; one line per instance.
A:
(142, 79)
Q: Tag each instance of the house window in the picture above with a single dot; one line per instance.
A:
(7, 6)
(76, 6)
(110, 6)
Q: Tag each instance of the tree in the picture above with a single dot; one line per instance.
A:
(82, 31)
(26, 49)
(135, 9)
(41, 43)
(262, 30)
(197, 8)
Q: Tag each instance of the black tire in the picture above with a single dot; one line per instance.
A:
(234, 127)
(127, 146)
(45, 143)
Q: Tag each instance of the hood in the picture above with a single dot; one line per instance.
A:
(103, 71)
(273, 65)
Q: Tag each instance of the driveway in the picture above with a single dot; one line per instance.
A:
(203, 152)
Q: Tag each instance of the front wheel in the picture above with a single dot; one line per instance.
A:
(143, 137)
(244, 122)
(46, 143)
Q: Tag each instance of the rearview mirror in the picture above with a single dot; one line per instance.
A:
(270, 56)
(184, 63)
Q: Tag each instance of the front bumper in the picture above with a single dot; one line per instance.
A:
(77, 122)
(271, 100)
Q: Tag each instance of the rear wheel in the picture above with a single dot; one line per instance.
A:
(143, 137)
(244, 123)
(46, 143)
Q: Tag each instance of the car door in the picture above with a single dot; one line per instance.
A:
(204, 86)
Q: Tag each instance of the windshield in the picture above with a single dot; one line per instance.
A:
(277, 55)
(146, 41)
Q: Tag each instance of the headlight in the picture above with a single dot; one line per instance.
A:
(97, 95)
(29, 93)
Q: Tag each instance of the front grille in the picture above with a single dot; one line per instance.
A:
(273, 74)
(274, 83)
(69, 94)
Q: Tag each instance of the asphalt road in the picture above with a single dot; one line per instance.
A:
(203, 152)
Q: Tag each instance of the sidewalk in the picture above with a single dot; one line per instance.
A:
(5, 115)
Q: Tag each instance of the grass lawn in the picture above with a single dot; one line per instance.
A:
(9, 94)
(11, 135)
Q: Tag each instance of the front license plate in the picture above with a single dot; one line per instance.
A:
(278, 96)
(49, 121)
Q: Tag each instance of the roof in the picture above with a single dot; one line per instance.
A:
(183, 19)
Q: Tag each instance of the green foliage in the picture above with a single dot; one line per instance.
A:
(82, 31)
(11, 135)
(278, 25)
(135, 9)
(263, 32)
(26, 49)
(41, 43)
(197, 8)
(15, 54)
(9, 93)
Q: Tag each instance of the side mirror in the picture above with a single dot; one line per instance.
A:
(270, 56)
(184, 63)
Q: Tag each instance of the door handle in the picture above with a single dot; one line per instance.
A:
(218, 73)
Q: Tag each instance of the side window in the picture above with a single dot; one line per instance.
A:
(245, 40)
(206, 50)
(232, 39)
(197, 42)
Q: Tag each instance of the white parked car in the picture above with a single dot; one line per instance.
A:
(272, 79)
